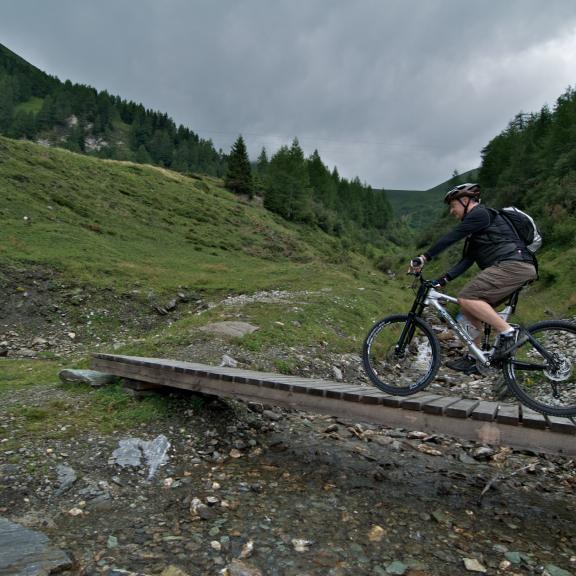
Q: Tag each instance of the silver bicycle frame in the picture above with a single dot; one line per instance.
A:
(435, 298)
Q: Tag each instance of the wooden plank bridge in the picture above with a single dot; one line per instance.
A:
(485, 422)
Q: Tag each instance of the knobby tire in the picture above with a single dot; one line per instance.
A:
(406, 373)
(534, 379)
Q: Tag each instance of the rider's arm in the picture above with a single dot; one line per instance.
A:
(475, 221)
(459, 268)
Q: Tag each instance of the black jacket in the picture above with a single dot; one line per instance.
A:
(489, 240)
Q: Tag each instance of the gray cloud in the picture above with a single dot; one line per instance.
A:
(397, 92)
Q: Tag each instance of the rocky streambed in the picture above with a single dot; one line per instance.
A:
(250, 490)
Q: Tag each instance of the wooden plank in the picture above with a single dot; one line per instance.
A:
(485, 411)
(418, 400)
(563, 425)
(440, 405)
(508, 414)
(369, 395)
(348, 393)
(532, 419)
(461, 409)
(392, 401)
(201, 379)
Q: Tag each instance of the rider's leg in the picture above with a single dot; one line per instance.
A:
(478, 311)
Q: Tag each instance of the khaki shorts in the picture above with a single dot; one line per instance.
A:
(495, 283)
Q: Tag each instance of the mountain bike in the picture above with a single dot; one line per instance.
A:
(401, 353)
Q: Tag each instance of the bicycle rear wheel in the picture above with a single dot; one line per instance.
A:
(542, 373)
(401, 356)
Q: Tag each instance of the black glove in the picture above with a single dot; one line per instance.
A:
(440, 282)
(417, 262)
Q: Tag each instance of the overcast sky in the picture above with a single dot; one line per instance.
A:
(397, 92)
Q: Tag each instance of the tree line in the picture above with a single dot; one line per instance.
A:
(304, 190)
(36, 106)
(532, 164)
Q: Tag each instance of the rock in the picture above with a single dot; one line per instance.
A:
(483, 453)
(465, 459)
(337, 373)
(441, 517)
(173, 571)
(28, 552)
(376, 534)
(552, 570)
(416, 434)
(396, 446)
(200, 510)
(26, 353)
(66, 477)
(382, 440)
(513, 557)
(239, 568)
(301, 545)
(171, 305)
(92, 377)
(271, 415)
(247, 549)
(397, 568)
(228, 361)
(425, 449)
(131, 451)
(230, 328)
(472, 565)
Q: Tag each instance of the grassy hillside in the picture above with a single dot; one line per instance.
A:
(133, 229)
(110, 223)
(123, 232)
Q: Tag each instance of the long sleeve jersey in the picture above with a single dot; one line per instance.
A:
(490, 240)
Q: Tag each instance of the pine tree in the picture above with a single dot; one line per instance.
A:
(6, 103)
(239, 173)
(288, 192)
(142, 155)
(262, 163)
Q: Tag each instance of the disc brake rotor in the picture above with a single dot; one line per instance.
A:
(562, 370)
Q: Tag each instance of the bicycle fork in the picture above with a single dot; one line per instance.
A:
(407, 335)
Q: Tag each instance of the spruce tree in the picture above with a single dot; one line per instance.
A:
(238, 177)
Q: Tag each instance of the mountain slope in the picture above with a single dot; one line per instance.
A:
(101, 242)
(114, 222)
(40, 107)
(420, 208)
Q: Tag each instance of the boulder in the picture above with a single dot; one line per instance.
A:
(230, 328)
(92, 377)
(24, 551)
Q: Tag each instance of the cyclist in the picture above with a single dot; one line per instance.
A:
(505, 263)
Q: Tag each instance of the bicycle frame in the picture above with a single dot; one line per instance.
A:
(428, 296)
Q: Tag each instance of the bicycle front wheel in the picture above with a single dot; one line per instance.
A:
(542, 373)
(401, 355)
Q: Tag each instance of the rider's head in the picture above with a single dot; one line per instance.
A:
(461, 198)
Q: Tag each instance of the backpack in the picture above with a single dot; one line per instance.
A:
(524, 228)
